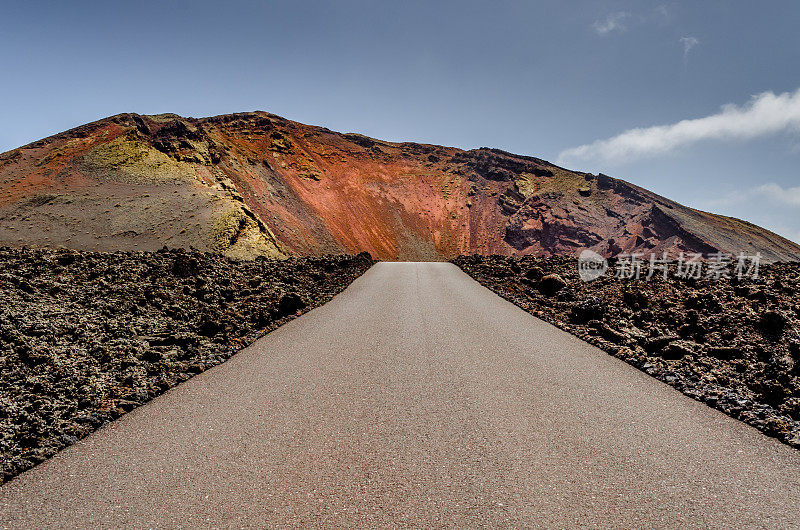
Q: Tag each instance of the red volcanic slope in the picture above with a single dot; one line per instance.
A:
(258, 184)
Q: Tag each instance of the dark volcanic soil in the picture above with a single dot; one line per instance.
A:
(733, 344)
(86, 337)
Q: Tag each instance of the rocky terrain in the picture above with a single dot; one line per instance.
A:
(256, 184)
(88, 336)
(733, 343)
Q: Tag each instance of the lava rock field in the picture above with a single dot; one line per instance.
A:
(733, 343)
(87, 336)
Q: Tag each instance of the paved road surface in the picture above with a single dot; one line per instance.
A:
(416, 398)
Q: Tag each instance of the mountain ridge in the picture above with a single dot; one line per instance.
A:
(256, 184)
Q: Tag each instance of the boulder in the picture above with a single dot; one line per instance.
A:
(772, 322)
(550, 284)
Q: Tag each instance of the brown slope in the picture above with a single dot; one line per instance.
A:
(258, 184)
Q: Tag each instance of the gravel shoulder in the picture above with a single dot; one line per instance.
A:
(731, 343)
(87, 336)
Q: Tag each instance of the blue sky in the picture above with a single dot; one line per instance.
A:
(632, 89)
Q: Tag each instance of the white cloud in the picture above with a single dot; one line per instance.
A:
(613, 22)
(620, 21)
(662, 12)
(688, 44)
(765, 114)
(779, 194)
(774, 193)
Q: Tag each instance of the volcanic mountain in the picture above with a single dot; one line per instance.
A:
(257, 184)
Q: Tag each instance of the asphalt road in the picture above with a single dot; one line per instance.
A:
(416, 398)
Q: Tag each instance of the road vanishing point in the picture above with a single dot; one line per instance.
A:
(416, 398)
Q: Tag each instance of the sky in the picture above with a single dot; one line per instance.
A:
(696, 101)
